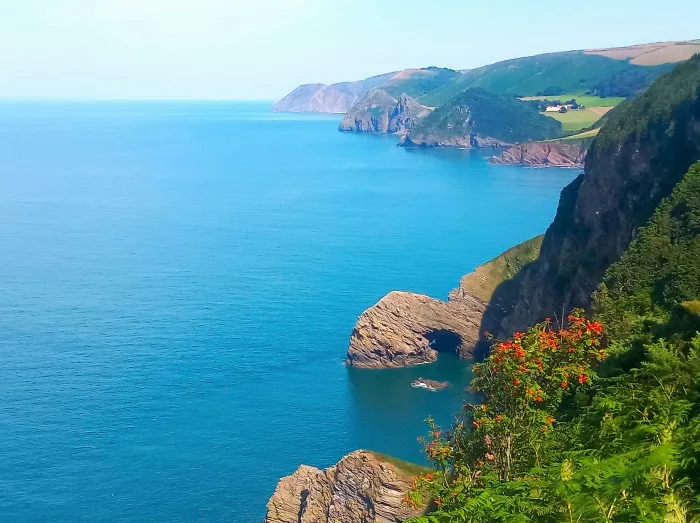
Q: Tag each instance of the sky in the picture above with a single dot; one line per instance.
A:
(261, 49)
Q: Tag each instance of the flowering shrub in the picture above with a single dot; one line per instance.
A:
(522, 384)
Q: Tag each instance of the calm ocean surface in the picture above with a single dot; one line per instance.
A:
(178, 283)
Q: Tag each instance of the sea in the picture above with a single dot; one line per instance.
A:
(178, 284)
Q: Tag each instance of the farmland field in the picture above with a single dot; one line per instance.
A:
(575, 119)
(583, 99)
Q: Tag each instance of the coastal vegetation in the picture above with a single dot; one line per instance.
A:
(596, 416)
(553, 75)
(482, 113)
(597, 421)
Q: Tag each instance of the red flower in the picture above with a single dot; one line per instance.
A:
(516, 382)
(564, 384)
(582, 378)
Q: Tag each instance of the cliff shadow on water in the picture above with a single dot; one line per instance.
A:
(384, 399)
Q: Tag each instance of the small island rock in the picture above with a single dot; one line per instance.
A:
(432, 385)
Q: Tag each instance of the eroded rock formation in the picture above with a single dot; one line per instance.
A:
(379, 112)
(545, 154)
(363, 487)
(405, 329)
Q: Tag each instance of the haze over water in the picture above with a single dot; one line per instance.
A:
(178, 285)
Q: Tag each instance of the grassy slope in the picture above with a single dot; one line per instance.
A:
(498, 116)
(483, 281)
(404, 466)
(571, 71)
(585, 134)
(419, 82)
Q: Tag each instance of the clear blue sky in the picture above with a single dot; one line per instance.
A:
(260, 49)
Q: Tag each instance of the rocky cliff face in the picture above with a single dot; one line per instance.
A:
(363, 487)
(637, 158)
(379, 112)
(405, 329)
(570, 153)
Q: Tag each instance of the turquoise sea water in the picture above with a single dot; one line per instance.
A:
(178, 282)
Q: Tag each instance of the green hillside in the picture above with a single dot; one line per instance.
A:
(418, 82)
(596, 420)
(486, 114)
(552, 74)
(661, 268)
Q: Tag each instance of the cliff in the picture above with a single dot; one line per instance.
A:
(334, 98)
(379, 112)
(363, 487)
(405, 329)
(561, 153)
(638, 157)
(477, 118)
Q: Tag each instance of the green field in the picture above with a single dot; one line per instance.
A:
(580, 136)
(575, 119)
(582, 99)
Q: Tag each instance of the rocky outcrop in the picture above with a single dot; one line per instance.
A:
(637, 158)
(405, 329)
(431, 385)
(460, 141)
(363, 487)
(379, 112)
(570, 153)
(370, 114)
(335, 98)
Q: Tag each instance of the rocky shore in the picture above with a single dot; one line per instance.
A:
(570, 153)
(363, 487)
(467, 141)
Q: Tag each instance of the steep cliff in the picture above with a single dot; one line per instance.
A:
(379, 112)
(638, 157)
(561, 153)
(363, 487)
(477, 118)
(405, 329)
